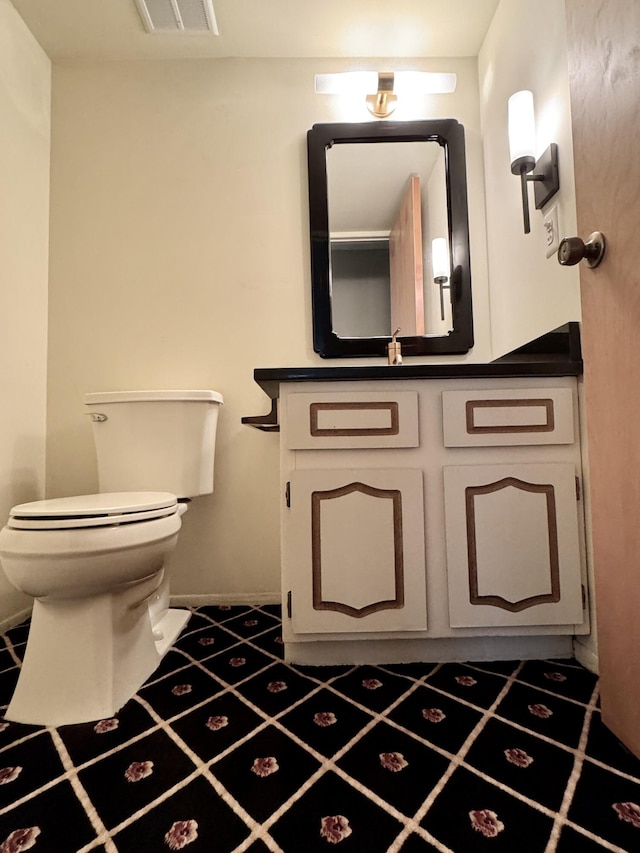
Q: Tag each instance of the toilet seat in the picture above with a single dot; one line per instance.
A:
(101, 510)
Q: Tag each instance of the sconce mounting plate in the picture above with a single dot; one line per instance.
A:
(546, 182)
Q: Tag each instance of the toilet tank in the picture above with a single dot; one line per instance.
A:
(155, 440)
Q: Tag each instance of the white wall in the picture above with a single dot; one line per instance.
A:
(25, 83)
(525, 48)
(180, 258)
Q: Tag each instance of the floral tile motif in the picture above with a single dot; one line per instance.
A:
(332, 815)
(559, 678)
(436, 718)
(616, 814)
(214, 727)
(265, 771)
(133, 777)
(525, 763)
(550, 716)
(193, 819)
(395, 766)
(464, 682)
(470, 812)
(372, 687)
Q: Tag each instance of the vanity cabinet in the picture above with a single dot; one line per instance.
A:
(435, 511)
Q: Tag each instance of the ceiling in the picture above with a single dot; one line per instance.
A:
(112, 29)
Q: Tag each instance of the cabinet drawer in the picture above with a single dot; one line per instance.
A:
(363, 419)
(509, 417)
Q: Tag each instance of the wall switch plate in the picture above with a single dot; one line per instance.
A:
(551, 232)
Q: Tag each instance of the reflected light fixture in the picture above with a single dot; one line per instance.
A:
(522, 140)
(441, 268)
(381, 88)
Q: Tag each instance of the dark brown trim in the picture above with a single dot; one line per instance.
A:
(471, 492)
(541, 402)
(316, 550)
(319, 432)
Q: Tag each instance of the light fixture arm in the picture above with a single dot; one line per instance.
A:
(545, 178)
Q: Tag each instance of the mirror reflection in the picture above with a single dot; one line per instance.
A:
(383, 197)
(387, 204)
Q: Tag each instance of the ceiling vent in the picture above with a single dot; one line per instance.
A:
(178, 16)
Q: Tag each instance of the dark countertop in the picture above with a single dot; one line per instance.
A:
(555, 354)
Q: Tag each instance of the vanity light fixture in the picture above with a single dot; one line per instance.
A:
(522, 140)
(441, 268)
(381, 88)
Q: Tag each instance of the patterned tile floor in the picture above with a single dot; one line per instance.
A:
(227, 748)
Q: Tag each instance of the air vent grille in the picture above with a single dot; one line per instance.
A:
(178, 16)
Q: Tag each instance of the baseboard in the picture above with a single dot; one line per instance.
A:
(15, 619)
(586, 655)
(255, 598)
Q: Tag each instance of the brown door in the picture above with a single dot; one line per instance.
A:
(405, 264)
(604, 68)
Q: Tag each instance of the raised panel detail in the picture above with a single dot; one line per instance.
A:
(509, 417)
(532, 509)
(351, 421)
(512, 539)
(354, 551)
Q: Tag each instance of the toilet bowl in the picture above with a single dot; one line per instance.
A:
(95, 564)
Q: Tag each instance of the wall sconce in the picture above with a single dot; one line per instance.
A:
(441, 268)
(381, 88)
(522, 140)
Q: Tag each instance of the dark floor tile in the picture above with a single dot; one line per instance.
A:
(251, 624)
(372, 687)
(464, 682)
(325, 721)
(8, 681)
(171, 662)
(572, 841)
(237, 663)
(523, 762)
(394, 766)
(333, 813)
(274, 610)
(548, 715)
(197, 813)
(221, 613)
(87, 741)
(614, 814)
(27, 766)
(59, 823)
(18, 635)
(7, 660)
(270, 642)
(135, 776)
(206, 641)
(467, 802)
(416, 671)
(216, 726)
(176, 693)
(569, 681)
(604, 746)
(11, 732)
(437, 718)
(497, 667)
(264, 772)
(276, 689)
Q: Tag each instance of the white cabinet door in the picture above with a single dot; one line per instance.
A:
(353, 551)
(513, 552)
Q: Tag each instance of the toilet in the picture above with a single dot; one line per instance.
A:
(94, 564)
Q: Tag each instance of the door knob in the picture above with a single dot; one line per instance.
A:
(572, 250)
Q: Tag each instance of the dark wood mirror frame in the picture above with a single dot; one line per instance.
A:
(450, 135)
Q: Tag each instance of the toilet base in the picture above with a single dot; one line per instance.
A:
(86, 658)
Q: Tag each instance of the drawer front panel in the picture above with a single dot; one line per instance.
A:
(355, 420)
(510, 417)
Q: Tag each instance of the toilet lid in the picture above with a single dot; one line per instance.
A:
(92, 510)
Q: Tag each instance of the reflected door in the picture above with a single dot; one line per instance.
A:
(405, 264)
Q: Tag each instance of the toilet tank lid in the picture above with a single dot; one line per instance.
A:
(98, 397)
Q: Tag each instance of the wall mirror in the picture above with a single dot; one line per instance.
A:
(389, 238)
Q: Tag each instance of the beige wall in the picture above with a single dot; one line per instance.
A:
(180, 258)
(530, 294)
(25, 81)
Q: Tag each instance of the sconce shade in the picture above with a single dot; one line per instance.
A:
(522, 132)
(440, 260)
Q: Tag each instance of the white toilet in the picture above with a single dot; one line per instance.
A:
(95, 563)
